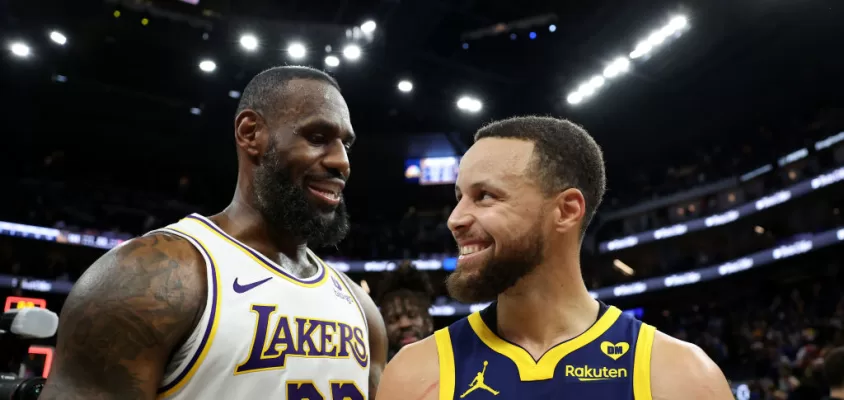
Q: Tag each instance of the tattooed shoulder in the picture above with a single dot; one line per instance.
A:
(124, 317)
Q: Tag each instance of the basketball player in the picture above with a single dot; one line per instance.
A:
(526, 191)
(405, 297)
(236, 306)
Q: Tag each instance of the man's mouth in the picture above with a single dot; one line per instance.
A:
(408, 339)
(327, 191)
(471, 249)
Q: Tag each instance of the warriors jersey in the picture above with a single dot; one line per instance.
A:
(611, 361)
(266, 334)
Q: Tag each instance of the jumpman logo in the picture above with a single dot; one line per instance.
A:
(478, 383)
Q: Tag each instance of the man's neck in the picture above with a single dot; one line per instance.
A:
(245, 223)
(547, 307)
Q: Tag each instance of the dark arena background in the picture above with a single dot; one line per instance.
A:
(722, 125)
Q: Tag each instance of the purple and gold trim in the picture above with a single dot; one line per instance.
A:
(314, 281)
(211, 328)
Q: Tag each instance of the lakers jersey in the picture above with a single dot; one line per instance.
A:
(266, 334)
(610, 361)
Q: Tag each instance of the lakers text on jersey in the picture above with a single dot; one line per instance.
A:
(266, 333)
(611, 360)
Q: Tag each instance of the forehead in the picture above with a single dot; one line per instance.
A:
(313, 99)
(495, 158)
(401, 304)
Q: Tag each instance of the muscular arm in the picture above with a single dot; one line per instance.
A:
(377, 337)
(123, 318)
(681, 370)
(413, 374)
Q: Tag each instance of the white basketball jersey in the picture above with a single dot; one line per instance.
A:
(266, 334)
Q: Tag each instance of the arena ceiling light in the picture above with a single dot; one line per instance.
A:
(249, 42)
(620, 65)
(20, 49)
(207, 66)
(58, 37)
(469, 104)
(405, 86)
(351, 52)
(368, 26)
(296, 51)
(332, 61)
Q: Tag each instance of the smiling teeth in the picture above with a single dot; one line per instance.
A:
(330, 195)
(466, 250)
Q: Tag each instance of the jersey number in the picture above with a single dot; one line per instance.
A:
(340, 390)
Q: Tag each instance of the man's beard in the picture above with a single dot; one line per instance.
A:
(501, 271)
(285, 206)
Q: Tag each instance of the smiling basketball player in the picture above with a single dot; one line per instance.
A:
(526, 192)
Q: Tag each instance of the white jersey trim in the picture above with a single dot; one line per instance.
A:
(193, 351)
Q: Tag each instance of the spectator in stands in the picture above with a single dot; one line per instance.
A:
(404, 297)
(833, 366)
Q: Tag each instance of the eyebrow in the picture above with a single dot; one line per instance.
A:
(479, 184)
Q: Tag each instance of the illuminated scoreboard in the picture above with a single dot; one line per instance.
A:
(15, 302)
(432, 171)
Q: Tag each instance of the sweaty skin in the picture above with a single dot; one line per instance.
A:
(679, 371)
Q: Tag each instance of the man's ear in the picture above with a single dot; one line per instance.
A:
(569, 210)
(247, 126)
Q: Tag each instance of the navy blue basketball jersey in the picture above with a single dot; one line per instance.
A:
(610, 360)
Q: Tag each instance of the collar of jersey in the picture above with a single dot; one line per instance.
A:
(317, 280)
(530, 370)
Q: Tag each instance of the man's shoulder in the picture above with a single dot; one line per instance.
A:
(683, 370)
(414, 371)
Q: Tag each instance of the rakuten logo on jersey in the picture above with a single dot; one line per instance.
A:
(792, 249)
(622, 243)
(721, 219)
(735, 266)
(772, 200)
(667, 232)
(627, 290)
(682, 279)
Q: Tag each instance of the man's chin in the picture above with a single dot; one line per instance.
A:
(469, 288)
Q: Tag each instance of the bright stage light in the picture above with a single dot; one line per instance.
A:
(332, 61)
(469, 104)
(405, 86)
(617, 67)
(57, 37)
(368, 26)
(20, 49)
(351, 52)
(207, 65)
(249, 42)
(575, 98)
(296, 50)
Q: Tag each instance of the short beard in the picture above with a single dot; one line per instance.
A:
(285, 206)
(501, 272)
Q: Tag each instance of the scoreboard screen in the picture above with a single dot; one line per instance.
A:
(432, 171)
(15, 302)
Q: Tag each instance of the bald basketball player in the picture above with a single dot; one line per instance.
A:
(236, 305)
(526, 191)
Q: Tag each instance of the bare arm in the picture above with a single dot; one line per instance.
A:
(377, 337)
(681, 370)
(122, 319)
(413, 374)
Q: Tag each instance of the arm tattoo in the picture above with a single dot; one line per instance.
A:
(122, 320)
